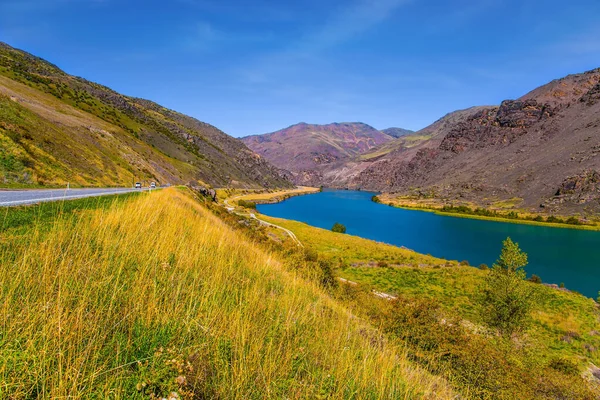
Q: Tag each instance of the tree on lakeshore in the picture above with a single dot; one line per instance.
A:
(507, 300)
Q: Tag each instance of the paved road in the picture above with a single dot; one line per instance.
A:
(20, 197)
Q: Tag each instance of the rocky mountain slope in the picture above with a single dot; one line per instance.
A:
(56, 128)
(303, 147)
(345, 173)
(542, 151)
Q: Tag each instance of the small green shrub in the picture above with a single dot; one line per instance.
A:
(339, 228)
(327, 279)
(554, 220)
(247, 204)
(563, 365)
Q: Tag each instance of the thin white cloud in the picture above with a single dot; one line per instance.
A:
(357, 18)
(582, 45)
(204, 36)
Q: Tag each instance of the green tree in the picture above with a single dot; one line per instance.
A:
(339, 228)
(507, 299)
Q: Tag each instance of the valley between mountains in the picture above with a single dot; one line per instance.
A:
(537, 154)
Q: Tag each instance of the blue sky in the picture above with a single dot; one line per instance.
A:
(257, 66)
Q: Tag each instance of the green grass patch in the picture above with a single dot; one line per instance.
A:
(22, 218)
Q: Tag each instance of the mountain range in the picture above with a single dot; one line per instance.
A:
(56, 129)
(541, 152)
(304, 147)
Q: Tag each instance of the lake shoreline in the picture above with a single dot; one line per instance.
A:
(278, 197)
(521, 221)
(500, 219)
(426, 235)
(440, 262)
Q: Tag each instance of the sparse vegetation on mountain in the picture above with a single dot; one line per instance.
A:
(56, 128)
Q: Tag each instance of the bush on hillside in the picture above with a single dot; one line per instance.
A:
(484, 367)
(563, 365)
(327, 278)
(339, 228)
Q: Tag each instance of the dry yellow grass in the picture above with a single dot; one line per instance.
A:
(159, 295)
(261, 196)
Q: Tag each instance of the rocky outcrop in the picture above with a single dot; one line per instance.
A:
(496, 126)
(522, 113)
(579, 189)
(204, 191)
(592, 96)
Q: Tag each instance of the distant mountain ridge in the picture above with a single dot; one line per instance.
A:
(397, 132)
(57, 128)
(303, 147)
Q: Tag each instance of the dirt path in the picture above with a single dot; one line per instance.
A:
(231, 208)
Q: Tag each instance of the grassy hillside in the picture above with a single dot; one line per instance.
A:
(154, 294)
(555, 358)
(56, 128)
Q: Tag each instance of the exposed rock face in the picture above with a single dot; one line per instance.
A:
(580, 189)
(204, 191)
(521, 113)
(495, 126)
(592, 96)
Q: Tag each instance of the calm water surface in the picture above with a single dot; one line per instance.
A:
(556, 255)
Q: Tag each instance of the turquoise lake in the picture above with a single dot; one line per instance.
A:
(557, 255)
